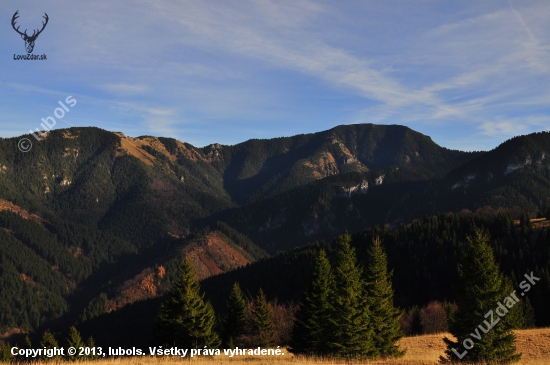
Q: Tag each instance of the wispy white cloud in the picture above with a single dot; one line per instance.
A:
(534, 52)
(123, 89)
(507, 128)
(33, 89)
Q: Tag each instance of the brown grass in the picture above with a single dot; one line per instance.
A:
(534, 344)
(421, 350)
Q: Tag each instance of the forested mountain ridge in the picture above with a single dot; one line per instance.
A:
(257, 169)
(95, 210)
(515, 175)
(53, 268)
(145, 189)
(86, 175)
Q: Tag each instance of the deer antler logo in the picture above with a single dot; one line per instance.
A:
(29, 40)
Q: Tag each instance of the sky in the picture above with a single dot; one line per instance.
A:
(470, 74)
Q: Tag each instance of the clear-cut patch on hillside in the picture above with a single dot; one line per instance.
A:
(147, 284)
(213, 255)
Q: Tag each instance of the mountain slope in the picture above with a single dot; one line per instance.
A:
(257, 169)
(336, 204)
(89, 176)
(516, 173)
(55, 268)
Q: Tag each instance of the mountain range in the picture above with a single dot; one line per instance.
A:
(93, 220)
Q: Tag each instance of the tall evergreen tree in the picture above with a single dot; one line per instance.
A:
(311, 333)
(91, 343)
(483, 288)
(262, 322)
(235, 323)
(27, 344)
(74, 340)
(384, 316)
(352, 334)
(48, 340)
(184, 319)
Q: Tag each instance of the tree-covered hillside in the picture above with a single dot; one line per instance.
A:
(43, 263)
(87, 176)
(423, 257)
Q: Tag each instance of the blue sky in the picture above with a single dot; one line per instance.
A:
(469, 74)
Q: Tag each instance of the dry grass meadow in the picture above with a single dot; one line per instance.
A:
(421, 350)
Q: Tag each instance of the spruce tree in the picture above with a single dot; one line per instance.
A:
(27, 344)
(262, 322)
(384, 316)
(74, 340)
(478, 340)
(91, 343)
(235, 323)
(352, 334)
(48, 340)
(184, 319)
(310, 332)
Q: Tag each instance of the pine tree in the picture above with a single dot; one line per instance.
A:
(91, 343)
(515, 318)
(484, 287)
(27, 344)
(74, 340)
(384, 316)
(310, 333)
(262, 322)
(184, 319)
(235, 322)
(352, 334)
(48, 340)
